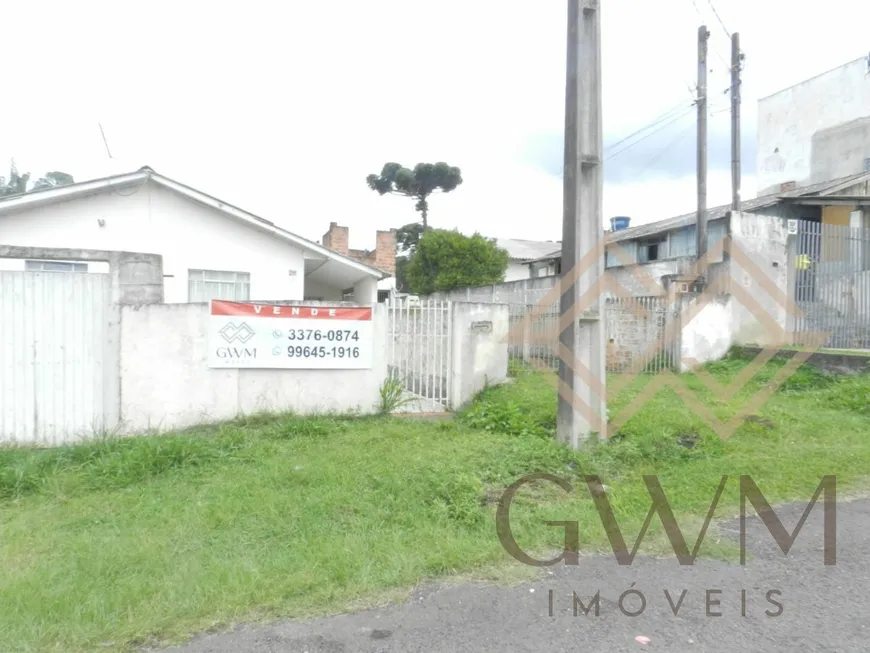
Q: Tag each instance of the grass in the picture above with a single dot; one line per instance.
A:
(115, 544)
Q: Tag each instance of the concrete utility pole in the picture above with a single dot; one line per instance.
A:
(736, 60)
(581, 410)
(701, 218)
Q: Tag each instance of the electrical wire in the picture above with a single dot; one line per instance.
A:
(657, 121)
(704, 19)
(655, 131)
(649, 164)
(719, 18)
(679, 137)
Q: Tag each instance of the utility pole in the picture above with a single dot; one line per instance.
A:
(736, 60)
(701, 218)
(582, 410)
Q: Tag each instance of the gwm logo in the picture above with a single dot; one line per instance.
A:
(242, 332)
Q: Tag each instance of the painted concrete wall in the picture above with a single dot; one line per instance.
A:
(480, 348)
(816, 130)
(524, 291)
(153, 219)
(707, 336)
(760, 308)
(516, 271)
(166, 382)
(18, 265)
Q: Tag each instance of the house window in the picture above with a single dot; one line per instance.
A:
(54, 266)
(205, 285)
(652, 250)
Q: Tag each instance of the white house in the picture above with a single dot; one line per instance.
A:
(210, 249)
(521, 252)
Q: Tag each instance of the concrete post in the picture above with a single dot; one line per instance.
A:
(582, 409)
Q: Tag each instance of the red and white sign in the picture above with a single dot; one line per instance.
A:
(274, 336)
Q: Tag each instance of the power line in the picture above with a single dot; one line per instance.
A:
(655, 131)
(704, 19)
(680, 136)
(664, 116)
(719, 18)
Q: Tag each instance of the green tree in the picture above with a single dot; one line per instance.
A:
(418, 184)
(407, 238)
(17, 184)
(444, 260)
(53, 180)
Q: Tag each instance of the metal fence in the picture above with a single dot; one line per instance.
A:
(830, 266)
(53, 356)
(419, 346)
(635, 331)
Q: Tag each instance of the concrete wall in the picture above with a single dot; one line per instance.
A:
(516, 270)
(524, 291)
(816, 130)
(480, 348)
(764, 278)
(153, 219)
(137, 278)
(708, 335)
(166, 382)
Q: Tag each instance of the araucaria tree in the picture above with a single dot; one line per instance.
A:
(418, 184)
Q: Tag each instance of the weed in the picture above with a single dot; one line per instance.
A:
(392, 393)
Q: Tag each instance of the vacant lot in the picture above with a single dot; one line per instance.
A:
(116, 544)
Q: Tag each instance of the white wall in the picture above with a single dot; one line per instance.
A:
(480, 356)
(166, 382)
(762, 319)
(515, 271)
(17, 265)
(707, 336)
(787, 121)
(152, 219)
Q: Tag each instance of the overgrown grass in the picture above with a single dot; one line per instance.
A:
(113, 544)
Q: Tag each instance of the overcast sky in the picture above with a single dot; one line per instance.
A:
(284, 108)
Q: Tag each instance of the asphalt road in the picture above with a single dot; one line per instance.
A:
(824, 609)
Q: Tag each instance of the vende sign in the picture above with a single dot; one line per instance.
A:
(272, 336)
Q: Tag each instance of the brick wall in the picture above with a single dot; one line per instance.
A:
(634, 331)
(336, 238)
(383, 257)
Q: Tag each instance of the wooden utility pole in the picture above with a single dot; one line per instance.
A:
(736, 60)
(701, 218)
(582, 411)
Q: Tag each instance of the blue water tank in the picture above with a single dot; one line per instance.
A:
(619, 223)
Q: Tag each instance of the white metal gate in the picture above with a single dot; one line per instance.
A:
(830, 268)
(420, 347)
(53, 343)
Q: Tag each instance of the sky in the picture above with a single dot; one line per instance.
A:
(283, 108)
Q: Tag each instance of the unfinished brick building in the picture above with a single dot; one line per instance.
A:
(383, 257)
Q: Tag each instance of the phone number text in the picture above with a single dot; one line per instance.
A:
(322, 352)
(333, 335)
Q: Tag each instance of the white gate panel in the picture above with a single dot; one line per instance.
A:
(53, 343)
(420, 348)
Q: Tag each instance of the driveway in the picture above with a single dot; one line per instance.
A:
(824, 609)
